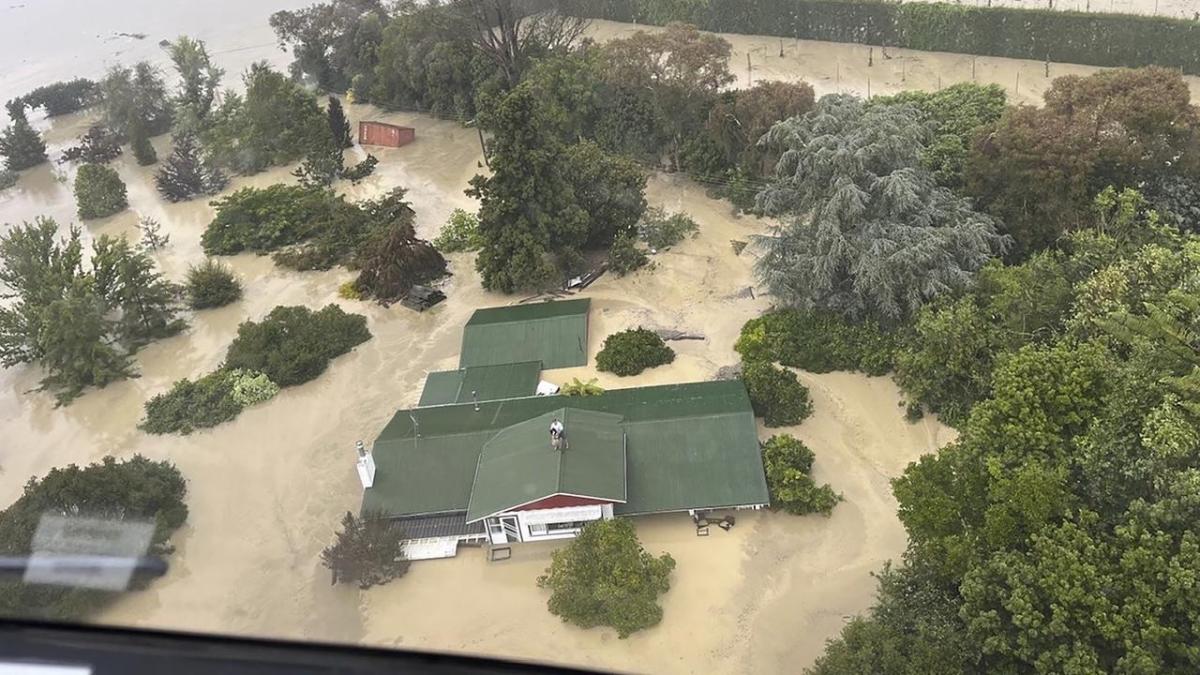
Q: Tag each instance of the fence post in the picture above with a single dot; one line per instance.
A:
(749, 73)
(870, 57)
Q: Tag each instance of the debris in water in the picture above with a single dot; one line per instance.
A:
(738, 246)
(672, 334)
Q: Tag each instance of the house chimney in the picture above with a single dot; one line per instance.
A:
(366, 466)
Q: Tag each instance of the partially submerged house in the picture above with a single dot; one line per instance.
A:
(475, 461)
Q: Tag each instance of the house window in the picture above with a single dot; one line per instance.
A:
(560, 527)
(537, 528)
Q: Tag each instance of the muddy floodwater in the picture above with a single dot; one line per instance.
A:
(266, 491)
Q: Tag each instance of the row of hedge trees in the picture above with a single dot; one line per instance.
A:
(1068, 37)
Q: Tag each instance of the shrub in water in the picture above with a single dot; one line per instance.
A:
(99, 191)
(211, 284)
(632, 351)
(190, 405)
(367, 551)
(817, 342)
(660, 230)
(250, 388)
(293, 345)
(776, 394)
(787, 463)
(624, 256)
(460, 233)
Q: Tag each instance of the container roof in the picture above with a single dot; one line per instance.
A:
(519, 465)
(490, 383)
(553, 333)
(687, 446)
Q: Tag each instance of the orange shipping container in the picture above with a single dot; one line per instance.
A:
(390, 135)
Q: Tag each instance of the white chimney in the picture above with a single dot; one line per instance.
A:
(366, 466)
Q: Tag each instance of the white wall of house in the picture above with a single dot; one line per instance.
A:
(545, 524)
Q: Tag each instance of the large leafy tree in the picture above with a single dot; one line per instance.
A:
(276, 122)
(528, 211)
(21, 146)
(680, 68)
(955, 115)
(1039, 168)
(426, 61)
(135, 99)
(867, 231)
(736, 123)
(610, 190)
(199, 81)
(605, 578)
(511, 36)
(332, 41)
(75, 343)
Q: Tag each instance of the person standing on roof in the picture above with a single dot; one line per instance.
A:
(556, 432)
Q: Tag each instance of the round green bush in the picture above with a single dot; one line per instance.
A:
(99, 191)
(211, 284)
(632, 351)
(776, 394)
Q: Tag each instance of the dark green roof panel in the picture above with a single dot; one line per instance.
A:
(519, 465)
(553, 333)
(490, 383)
(687, 446)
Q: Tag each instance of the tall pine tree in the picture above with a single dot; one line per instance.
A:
(339, 126)
(21, 145)
(528, 216)
(185, 175)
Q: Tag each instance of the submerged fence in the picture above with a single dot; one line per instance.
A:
(1040, 34)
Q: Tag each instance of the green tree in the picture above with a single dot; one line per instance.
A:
(21, 146)
(367, 552)
(528, 213)
(510, 36)
(199, 81)
(322, 165)
(1039, 168)
(189, 405)
(393, 259)
(605, 578)
(36, 269)
(211, 284)
(143, 149)
(133, 98)
(339, 126)
(610, 190)
(868, 232)
(332, 42)
(97, 145)
(631, 351)
(955, 115)
(681, 68)
(276, 122)
(776, 394)
(460, 233)
(946, 365)
(58, 98)
(127, 280)
(136, 489)
(293, 345)
(737, 122)
(185, 174)
(99, 191)
(788, 463)
(74, 345)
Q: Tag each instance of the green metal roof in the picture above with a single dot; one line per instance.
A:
(554, 333)
(518, 465)
(687, 446)
(509, 380)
